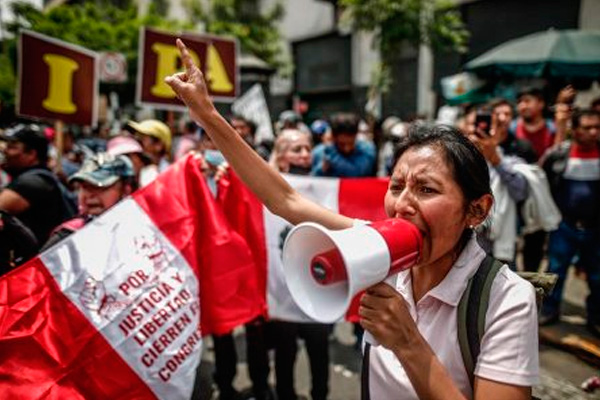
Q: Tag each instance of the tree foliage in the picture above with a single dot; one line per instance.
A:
(99, 25)
(396, 22)
(113, 25)
(256, 30)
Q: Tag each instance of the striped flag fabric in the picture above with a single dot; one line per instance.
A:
(118, 309)
(360, 198)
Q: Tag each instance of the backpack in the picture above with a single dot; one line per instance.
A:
(471, 312)
(474, 303)
(69, 199)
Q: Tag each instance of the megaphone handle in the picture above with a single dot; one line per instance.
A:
(390, 280)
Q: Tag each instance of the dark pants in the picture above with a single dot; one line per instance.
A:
(533, 250)
(256, 354)
(564, 243)
(316, 338)
(225, 363)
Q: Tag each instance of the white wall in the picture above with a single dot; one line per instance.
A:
(304, 18)
(7, 16)
(364, 58)
(589, 14)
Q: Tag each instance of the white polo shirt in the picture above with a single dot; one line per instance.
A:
(509, 347)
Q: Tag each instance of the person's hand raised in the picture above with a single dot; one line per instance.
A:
(190, 87)
(566, 95)
(487, 145)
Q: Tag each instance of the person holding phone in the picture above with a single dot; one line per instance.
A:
(488, 130)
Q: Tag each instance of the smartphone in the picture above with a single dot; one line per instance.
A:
(483, 123)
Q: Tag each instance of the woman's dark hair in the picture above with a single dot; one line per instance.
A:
(467, 165)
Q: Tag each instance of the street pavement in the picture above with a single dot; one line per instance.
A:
(563, 368)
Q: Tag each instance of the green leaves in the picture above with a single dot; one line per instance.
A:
(256, 29)
(101, 25)
(397, 22)
(7, 81)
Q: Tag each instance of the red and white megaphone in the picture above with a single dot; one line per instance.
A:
(325, 269)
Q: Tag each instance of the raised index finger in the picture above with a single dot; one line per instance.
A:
(188, 63)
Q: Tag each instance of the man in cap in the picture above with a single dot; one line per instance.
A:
(321, 132)
(34, 195)
(155, 137)
(103, 181)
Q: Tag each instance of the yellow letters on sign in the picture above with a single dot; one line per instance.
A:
(60, 85)
(166, 64)
(216, 74)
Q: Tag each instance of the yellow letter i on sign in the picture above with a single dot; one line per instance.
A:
(60, 85)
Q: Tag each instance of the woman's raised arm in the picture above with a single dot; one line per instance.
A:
(277, 195)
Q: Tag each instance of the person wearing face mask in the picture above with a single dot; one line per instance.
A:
(102, 182)
(440, 184)
(292, 155)
(292, 152)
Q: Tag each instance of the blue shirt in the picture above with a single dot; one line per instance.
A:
(360, 163)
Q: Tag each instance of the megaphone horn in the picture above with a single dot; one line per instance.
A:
(325, 269)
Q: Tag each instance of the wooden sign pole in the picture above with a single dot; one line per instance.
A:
(59, 144)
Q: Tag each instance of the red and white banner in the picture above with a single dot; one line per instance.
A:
(356, 198)
(118, 309)
(114, 311)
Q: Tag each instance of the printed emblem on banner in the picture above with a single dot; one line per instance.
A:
(137, 289)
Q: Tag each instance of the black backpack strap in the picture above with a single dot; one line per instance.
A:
(471, 312)
(364, 374)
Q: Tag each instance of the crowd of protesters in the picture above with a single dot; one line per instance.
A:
(544, 163)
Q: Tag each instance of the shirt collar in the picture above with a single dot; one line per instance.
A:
(451, 288)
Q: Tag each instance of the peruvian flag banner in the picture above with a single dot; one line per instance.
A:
(118, 309)
(360, 198)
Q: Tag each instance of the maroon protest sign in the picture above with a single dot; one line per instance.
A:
(222, 72)
(158, 58)
(57, 80)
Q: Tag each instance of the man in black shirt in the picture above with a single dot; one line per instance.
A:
(34, 194)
